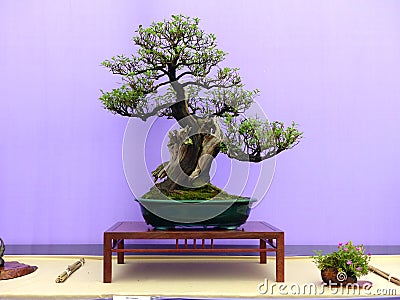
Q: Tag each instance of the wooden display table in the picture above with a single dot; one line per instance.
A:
(264, 232)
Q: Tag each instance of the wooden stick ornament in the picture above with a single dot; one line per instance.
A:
(384, 275)
(70, 269)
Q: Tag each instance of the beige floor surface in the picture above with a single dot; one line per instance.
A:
(187, 276)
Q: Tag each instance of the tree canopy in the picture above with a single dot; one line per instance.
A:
(176, 73)
(173, 51)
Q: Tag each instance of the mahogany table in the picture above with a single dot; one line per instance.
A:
(267, 235)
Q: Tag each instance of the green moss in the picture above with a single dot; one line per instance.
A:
(206, 192)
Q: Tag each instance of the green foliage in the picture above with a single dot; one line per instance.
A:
(285, 138)
(180, 42)
(168, 52)
(349, 258)
(219, 101)
(121, 99)
(134, 103)
(253, 139)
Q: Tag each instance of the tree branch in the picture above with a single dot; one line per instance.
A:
(207, 86)
(183, 74)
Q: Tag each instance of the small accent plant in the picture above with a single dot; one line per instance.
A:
(349, 259)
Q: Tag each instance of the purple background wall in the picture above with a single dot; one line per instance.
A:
(333, 66)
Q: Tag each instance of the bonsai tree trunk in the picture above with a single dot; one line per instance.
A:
(192, 148)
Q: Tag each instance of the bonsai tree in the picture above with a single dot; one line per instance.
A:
(176, 73)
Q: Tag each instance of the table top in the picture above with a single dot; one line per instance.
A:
(139, 230)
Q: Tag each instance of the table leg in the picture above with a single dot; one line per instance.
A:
(107, 263)
(280, 258)
(120, 255)
(263, 254)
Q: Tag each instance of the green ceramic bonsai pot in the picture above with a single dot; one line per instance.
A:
(215, 213)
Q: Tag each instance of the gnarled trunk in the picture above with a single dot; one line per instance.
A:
(192, 149)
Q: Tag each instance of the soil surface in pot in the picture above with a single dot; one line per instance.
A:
(205, 192)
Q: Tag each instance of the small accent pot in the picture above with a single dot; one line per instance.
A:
(332, 276)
